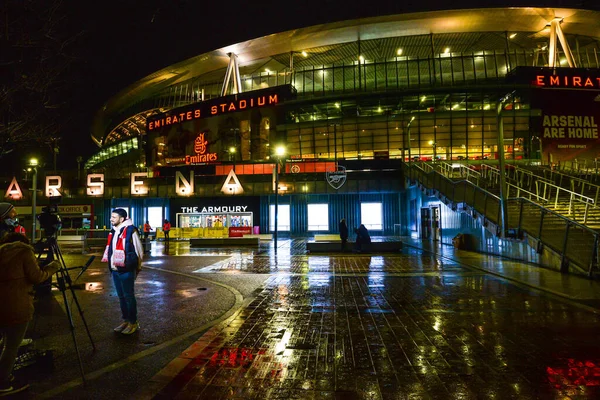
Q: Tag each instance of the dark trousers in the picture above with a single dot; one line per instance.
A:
(124, 285)
(167, 236)
(344, 242)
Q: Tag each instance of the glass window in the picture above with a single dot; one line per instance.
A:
(155, 217)
(318, 217)
(283, 218)
(371, 215)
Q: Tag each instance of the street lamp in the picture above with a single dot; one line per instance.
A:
(279, 152)
(33, 163)
(500, 125)
(407, 138)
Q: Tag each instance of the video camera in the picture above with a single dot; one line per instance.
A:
(49, 219)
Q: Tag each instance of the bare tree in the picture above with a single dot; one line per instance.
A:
(35, 45)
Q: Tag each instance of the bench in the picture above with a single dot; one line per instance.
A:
(262, 236)
(233, 242)
(335, 247)
(327, 238)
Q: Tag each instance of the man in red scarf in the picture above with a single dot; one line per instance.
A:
(124, 254)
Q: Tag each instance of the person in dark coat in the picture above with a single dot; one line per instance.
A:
(362, 238)
(343, 233)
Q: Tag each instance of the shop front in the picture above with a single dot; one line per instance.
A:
(215, 217)
(79, 216)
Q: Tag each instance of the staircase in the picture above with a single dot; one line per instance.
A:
(529, 213)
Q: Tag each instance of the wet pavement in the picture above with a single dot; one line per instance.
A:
(430, 322)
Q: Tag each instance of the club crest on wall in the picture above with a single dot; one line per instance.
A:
(336, 178)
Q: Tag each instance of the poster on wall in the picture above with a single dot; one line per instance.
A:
(568, 124)
(569, 104)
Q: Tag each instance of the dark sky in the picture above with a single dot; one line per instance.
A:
(122, 41)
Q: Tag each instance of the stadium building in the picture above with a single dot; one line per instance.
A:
(341, 109)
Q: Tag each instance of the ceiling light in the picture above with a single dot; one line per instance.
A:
(304, 54)
(399, 52)
(512, 36)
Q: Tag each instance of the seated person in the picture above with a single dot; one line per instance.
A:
(362, 238)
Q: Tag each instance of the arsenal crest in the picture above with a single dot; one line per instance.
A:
(336, 178)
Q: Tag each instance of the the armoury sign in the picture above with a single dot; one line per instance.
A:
(336, 178)
(222, 105)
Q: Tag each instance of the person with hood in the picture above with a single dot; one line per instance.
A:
(343, 233)
(362, 238)
(8, 216)
(124, 254)
(19, 271)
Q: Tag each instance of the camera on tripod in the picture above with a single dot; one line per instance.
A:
(49, 219)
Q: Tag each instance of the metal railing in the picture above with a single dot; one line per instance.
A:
(576, 244)
(546, 192)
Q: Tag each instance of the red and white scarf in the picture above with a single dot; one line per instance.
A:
(118, 256)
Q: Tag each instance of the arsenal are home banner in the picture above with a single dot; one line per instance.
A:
(569, 104)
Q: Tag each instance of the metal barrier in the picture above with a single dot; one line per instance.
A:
(575, 243)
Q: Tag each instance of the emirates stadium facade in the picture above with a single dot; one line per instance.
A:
(346, 104)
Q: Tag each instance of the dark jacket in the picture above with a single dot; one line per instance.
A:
(6, 228)
(131, 257)
(343, 230)
(19, 271)
(362, 235)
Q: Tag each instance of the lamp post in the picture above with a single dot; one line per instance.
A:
(279, 152)
(500, 125)
(407, 138)
(33, 163)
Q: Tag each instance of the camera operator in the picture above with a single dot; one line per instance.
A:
(8, 214)
(19, 271)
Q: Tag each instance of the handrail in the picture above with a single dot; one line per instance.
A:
(544, 190)
(574, 242)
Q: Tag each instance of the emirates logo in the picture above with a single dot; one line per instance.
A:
(200, 144)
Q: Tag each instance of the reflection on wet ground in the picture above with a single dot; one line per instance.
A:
(405, 325)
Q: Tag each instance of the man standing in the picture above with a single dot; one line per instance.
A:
(8, 214)
(147, 229)
(343, 233)
(166, 229)
(124, 254)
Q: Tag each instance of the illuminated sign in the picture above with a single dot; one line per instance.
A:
(556, 78)
(137, 186)
(53, 183)
(200, 147)
(232, 184)
(214, 209)
(571, 82)
(14, 190)
(183, 187)
(222, 105)
(95, 184)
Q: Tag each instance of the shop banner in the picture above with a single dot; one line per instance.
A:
(240, 231)
(568, 125)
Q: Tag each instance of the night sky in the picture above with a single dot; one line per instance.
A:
(119, 42)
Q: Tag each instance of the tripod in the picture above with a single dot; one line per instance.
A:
(48, 247)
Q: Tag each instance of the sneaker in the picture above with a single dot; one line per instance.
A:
(13, 388)
(26, 342)
(121, 327)
(131, 328)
